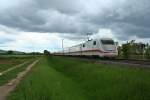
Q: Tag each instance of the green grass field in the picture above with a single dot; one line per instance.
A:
(12, 74)
(7, 62)
(61, 78)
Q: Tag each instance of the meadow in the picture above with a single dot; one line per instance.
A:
(10, 61)
(7, 62)
(62, 78)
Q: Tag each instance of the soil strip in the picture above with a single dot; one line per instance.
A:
(12, 68)
(11, 85)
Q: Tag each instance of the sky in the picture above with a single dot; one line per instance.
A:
(36, 25)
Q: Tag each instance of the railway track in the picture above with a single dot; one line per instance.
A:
(136, 63)
(129, 62)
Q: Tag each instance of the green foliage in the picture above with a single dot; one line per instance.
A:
(61, 78)
(10, 52)
(147, 53)
(126, 49)
(46, 52)
(119, 51)
(133, 50)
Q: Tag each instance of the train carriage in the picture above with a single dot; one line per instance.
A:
(104, 47)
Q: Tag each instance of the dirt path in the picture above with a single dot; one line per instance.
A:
(11, 85)
(12, 68)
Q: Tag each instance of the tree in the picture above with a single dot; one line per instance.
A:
(10, 52)
(46, 52)
(119, 50)
(147, 52)
(126, 50)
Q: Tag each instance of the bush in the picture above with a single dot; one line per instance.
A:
(46, 52)
(10, 52)
(147, 53)
(126, 50)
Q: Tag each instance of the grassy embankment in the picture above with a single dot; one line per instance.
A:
(9, 62)
(58, 78)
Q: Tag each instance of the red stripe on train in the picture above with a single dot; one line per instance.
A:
(96, 50)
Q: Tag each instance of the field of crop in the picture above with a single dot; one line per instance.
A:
(60, 78)
(8, 62)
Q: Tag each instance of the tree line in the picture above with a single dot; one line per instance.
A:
(134, 50)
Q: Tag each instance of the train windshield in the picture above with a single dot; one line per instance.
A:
(107, 42)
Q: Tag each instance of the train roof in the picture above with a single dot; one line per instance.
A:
(100, 39)
(91, 40)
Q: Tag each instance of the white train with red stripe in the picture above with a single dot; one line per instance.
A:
(104, 47)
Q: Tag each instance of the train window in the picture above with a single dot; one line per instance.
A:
(108, 42)
(94, 43)
(83, 45)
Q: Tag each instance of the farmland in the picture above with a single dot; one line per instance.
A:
(9, 61)
(61, 78)
(10, 66)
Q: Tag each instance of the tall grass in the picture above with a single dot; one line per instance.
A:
(12, 74)
(10, 61)
(60, 78)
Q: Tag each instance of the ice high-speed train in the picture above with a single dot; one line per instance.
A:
(104, 47)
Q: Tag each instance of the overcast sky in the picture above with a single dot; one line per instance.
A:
(35, 25)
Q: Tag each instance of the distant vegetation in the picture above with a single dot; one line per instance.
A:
(46, 52)
(11, 52)
(133, 50)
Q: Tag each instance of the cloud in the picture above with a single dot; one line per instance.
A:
(72, 20)
(78, 17)
(32, 42)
